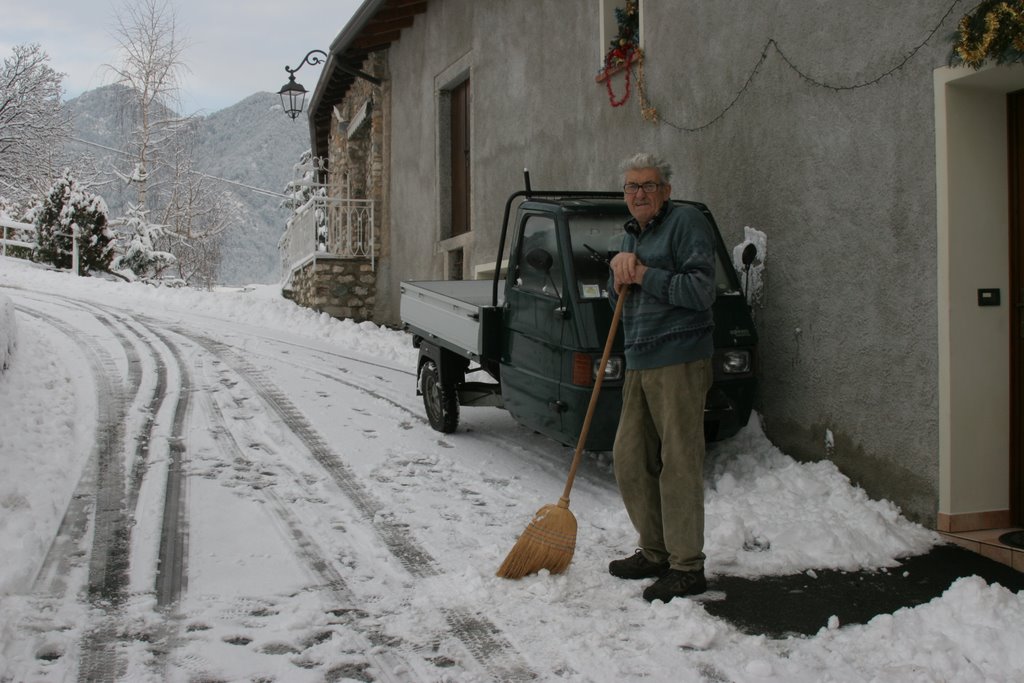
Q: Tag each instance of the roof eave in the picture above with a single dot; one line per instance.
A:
(341, 43)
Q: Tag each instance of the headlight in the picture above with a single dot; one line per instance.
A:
(734, 362)
(613, 370)
(585, 368)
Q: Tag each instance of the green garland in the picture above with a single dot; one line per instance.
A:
(627, 40)
(993, 31)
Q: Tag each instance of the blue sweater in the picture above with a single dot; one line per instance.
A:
(668, 319)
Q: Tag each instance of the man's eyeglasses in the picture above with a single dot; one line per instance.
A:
(648, 188)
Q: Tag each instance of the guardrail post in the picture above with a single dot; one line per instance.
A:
(74, 248)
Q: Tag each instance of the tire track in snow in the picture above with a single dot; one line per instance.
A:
(102, 485)
(335, 354)
(67, 547)
(542, 457)
(547, 455)
(111, 497)
(481, 637)
(171, 573)
(343, 603)
(476, 633)
(144, 436)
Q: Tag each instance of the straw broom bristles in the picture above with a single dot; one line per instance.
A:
(550, 538)
(548, 542)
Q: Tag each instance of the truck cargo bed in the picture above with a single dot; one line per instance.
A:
(448, 312)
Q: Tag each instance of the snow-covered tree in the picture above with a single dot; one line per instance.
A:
(150, 61)
(306, 182)
(176, 219)
(70, 209)
(34, 124)
(138, 251)
(303, 190)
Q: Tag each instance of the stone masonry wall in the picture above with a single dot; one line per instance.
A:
(342, 288)
(347, 288)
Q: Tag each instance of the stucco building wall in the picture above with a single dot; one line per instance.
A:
(835, 162)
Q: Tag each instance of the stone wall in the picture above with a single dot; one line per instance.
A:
(347, 288)
(356, 154)
(342, 288)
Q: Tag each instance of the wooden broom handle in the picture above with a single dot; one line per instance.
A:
(612, 329)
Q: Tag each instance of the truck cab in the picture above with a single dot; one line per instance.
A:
(557, 315)
(540, 336)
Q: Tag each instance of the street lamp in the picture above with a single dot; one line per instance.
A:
(293, 95)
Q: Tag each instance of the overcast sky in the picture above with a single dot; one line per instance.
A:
(235, 48)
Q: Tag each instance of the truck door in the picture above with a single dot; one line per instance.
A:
(535, 311)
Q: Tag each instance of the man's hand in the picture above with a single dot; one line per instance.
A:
(627, 269)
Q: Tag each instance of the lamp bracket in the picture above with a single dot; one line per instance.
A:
(313, 57)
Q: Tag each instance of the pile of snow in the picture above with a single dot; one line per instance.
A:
(768, 514)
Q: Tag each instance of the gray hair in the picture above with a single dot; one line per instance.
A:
(648, 160)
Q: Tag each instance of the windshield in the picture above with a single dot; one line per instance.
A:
(595, 239)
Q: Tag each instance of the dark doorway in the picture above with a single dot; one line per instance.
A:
(455, 264)
(460, 158)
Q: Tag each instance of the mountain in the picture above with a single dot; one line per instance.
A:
(252, 144)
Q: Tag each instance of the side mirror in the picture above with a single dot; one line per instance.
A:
(540, 259)
(749, 254)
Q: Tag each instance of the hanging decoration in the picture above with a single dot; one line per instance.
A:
(627, 40)
(994, 30)
(623, 51)
(607, 77)
(647, 110)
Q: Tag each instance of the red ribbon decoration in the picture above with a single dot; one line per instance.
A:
(626, 56)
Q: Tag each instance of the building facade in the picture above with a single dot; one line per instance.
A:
(878, 173)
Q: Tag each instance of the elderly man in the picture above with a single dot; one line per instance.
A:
(667, 262)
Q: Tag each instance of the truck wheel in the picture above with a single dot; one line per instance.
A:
(440, 400)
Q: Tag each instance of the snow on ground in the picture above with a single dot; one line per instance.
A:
(766, 514)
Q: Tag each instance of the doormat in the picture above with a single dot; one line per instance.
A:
(1013, 538)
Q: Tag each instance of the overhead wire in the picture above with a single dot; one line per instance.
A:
(651, 113)
(257, 190)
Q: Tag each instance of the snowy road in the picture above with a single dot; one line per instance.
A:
(221, 486)
(226, 501)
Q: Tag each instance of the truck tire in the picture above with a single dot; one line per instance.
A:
(440, 400)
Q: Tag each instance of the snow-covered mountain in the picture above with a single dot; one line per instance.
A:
(251, 143)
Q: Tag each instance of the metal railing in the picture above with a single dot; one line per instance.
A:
(350, 231)
(332, 226)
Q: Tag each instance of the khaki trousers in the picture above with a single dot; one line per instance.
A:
(659, 460)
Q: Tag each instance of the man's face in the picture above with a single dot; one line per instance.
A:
(645, 205)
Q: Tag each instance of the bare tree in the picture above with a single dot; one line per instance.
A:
(34, 124)
(150, 63)
(194, 216)
(161, 143)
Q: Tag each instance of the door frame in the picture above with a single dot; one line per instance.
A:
(972, 219)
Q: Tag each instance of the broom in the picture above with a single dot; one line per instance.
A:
(550, 538)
